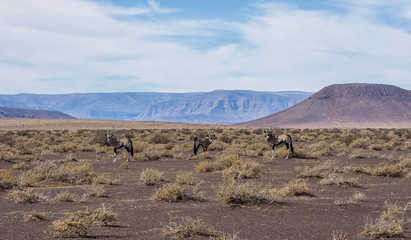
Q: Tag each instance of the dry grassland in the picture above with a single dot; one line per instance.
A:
(57, 179)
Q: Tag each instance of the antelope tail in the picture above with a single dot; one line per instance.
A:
(131, 148)
(291, 144)
(195, 147)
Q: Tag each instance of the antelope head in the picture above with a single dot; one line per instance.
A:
(268, 133)
(109, 134)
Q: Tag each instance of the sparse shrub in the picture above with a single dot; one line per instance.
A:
(218, 146)
(337, 235)
(391, 223)
(176, 193)
(295, 188)
(34, 216)
(225, 138)
(224, 161)
(151, 177)
(240, 193)
(188, 227)
(95, 190)
(105, 215)
(67, 197)
(376, 147)
(340, 181)
(357, 169)
(225, 236)
(159, 138)
(187, 178)
(386, 170)
(359, 197)
(360, 143)
(245, 169)
(25, 196)
(76, 224)
(361, 153)
(20, 166)
(7, 180)
(204, 155)
(318, 171)
(74, 173)
(257, 148)
(321, 148)
(206, 166)
(393, 145)
(348, 140)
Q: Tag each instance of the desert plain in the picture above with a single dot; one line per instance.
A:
(58, 180)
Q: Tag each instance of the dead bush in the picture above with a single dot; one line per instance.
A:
(333, 179)
(151, 177)
(26, 196)
(245, 169)
(176, 193)
(186, 178)
(188, 227)
(390, 223)
(295, 188)
(76, 224)
(7, 180)
(240, 193)
(67, 197)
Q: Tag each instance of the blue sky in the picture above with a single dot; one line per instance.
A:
(66, 46)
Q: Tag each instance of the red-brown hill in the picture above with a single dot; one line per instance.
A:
(8, 112)
(346, 105)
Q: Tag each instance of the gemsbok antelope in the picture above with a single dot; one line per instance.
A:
(278, 140)
(205, 143)
(120, 143)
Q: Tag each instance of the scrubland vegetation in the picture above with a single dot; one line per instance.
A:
(70, 177)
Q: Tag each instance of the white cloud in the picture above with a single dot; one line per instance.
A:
(82, 46)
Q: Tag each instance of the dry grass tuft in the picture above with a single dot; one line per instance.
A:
(76, 224)
(386, 170)
(26, 196)
(176, 193)
(246, 169)
(337, 235)
(240, 193)
(390, 223)
(67, 197)
(333, 179)
(186, 178)
(295, 188)
(318, 171)
(105, 215)
(188, 227)
(7, 180)
(151, 177)
(34, 216)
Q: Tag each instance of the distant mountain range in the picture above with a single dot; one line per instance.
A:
(221, 106)
(346, 105)
(7, 112)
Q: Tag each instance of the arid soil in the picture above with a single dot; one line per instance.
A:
(326, 210)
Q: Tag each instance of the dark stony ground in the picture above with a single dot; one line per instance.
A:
(139, 217)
